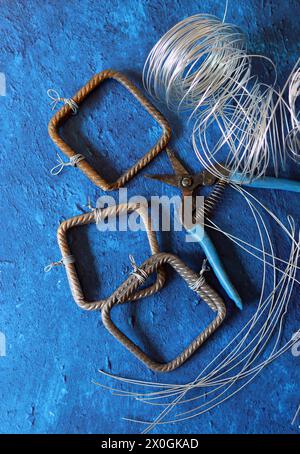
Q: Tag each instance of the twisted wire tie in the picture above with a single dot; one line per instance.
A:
(200, 281)
(54, 95)
(73, 161)
(64, 261)
(97, 211)
(137, 271)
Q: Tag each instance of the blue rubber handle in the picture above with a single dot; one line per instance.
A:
(210, 251)
(267, 183)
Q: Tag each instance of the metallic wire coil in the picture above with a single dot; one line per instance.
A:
(198, 59)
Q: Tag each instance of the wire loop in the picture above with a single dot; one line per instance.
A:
(56, 99)
(61, 163)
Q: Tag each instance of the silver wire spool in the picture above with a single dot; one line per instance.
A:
(201, 65)
(199, 58)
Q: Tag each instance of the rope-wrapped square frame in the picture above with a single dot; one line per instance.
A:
(62, 115)
(124, 294)
(93, 217)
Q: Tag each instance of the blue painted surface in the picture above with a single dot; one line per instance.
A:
(54, 349)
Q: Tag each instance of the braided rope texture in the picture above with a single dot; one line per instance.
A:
(123, 295)
(90, 218)
(66, 112)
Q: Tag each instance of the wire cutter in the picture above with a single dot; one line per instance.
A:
(188, 183)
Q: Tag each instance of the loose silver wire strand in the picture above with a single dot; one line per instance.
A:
(178, 387)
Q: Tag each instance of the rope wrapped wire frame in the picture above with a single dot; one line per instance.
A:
(124, 293)
(66, 112)
(93, 217)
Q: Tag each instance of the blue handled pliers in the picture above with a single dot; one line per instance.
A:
(188, 183)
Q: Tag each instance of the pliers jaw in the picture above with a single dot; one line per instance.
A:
(208, 178)
(182, 178)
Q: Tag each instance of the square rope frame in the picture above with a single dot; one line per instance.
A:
(90, 218)
(65, 112)
(123, 295)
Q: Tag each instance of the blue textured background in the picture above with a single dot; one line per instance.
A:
(53, 348)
